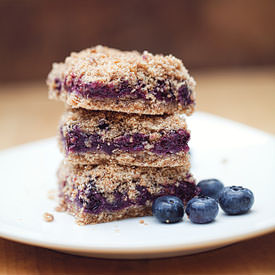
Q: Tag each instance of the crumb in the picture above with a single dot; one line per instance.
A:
(60, 208)
(48, 217)
(224, 161)
(142, 222)
(51, 194)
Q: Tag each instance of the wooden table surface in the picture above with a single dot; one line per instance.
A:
(247, 96)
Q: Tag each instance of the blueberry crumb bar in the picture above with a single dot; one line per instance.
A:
(103, 193)
(102, 78)
(92, 137)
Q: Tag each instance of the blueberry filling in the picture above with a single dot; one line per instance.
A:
(101, 91)
(96, 202)
(131, 143)
(174, 142)
(184, 96)
(77, 141)
(162, 91)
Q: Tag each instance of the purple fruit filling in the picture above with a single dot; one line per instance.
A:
(96, 202)
(184, 96)
(77, 141)
(162, 91)
(131, 143)
(101, 91)
(174, 142)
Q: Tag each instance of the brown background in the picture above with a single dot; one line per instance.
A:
(205, 34)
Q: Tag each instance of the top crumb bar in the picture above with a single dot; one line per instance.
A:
(102, 78)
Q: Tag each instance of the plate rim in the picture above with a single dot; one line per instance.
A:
(158, 249)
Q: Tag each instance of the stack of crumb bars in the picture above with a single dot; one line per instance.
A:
(123, 140)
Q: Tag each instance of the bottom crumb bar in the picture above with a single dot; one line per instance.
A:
(97, 194)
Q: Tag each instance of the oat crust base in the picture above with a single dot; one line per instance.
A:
(83, 218)
(143, 159)
(125, 106)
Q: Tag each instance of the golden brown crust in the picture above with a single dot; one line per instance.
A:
(83, 218)
(144, 159)
(109, 177)
(126, 106)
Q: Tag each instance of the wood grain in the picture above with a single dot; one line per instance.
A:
(246, 96)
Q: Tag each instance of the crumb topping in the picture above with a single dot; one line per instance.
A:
(48, 217)
(102, 78)
(51, 194)
(105, 65)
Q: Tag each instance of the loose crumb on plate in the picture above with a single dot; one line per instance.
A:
(141, 221)
(61, 207)
(51, 194)
(48, 217)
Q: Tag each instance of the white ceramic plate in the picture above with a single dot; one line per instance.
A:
(234, 153)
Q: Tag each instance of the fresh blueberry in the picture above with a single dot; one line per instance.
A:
(168, 209)
(210, 188)
(202, 209)
(236, 200)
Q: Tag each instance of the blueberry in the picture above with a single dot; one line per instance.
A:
(202, 209)
(236, 200)
(103, 125)
(211, 188)
(168, 209)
